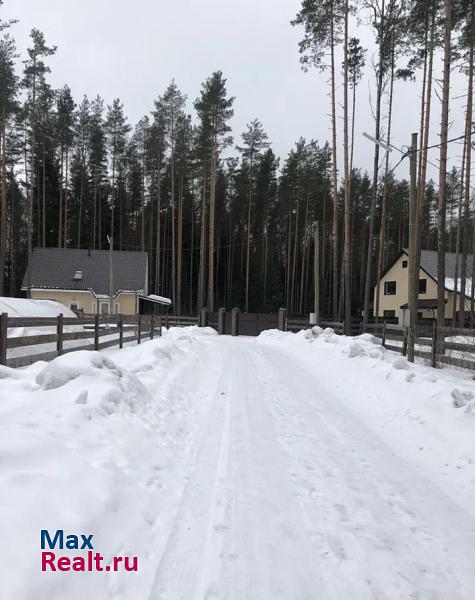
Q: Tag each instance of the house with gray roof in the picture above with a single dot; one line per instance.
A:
(393, 292)
(83, 280)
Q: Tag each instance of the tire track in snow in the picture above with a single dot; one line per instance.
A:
(180, 570)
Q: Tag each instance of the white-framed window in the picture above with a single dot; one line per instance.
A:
(117, 308)
(104, 308)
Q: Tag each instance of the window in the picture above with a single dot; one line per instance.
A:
(104, 308)
(404, 264)
(389, 288)
(78, 276)
(389, 314)
(422, 286)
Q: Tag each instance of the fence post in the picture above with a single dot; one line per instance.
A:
(221, 317)
(404, 342)
(282, 319)
(152, 325)
(3, 338)
(167, 325)
(383, 339)
(121, 331)
(59, 335)
(434, 345)
(96, 332)
(235, 321)
(203, 317)
(139, 328)
(160, 326)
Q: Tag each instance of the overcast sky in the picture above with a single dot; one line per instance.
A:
(131, 50)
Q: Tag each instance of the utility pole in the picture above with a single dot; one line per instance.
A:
(316, 308)
(111, 289)
(413, 277)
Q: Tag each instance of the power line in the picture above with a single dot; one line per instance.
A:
(456, 139)
(460, 137)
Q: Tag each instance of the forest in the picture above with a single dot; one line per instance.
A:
(226, 222)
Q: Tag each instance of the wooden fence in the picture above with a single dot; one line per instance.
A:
(60, 335)
(437, 345)
(97, 331)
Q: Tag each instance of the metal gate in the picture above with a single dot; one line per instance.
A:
(248, 323)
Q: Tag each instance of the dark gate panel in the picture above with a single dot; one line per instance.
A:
(267, 321)
(249, 323)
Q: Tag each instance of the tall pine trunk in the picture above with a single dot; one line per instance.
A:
(3, 202)
(157, 240)
(441, 206)
(248, 231)
(173, 215)
(347, 210)
(211, 234)
(201, 272)
(334, 171)
(60, 208)
(374, 197)
(466, 208)
(382, 229)
(425, 112)
(180, 244)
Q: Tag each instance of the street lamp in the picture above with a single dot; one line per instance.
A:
(386, 147)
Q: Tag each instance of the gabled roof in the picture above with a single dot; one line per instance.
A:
(429, 262)
(55, 268)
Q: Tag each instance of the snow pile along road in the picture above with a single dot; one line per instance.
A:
(426, 415)
(95, 443)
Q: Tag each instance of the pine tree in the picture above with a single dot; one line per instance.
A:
(214, 110)
(8, 107)
(255, 140)
(65, 134)
(97, 157)
(385, 17)
(38, 94)
(116, 128)
(172, 103)
(322, 21)
(356, 63)
(444, 127)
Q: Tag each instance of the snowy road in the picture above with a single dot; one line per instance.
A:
(288, 467)
(291, 496)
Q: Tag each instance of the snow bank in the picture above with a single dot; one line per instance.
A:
(368, 346)
(92, 443)
(424, 414)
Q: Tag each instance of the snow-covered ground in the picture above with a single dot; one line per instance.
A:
(291, 466)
